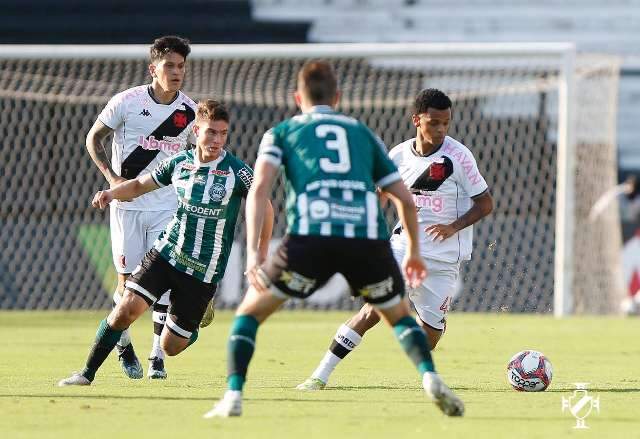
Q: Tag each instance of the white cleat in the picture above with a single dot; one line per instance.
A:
(74, 380)
(229, 405)
(442, 395)
(311, 384)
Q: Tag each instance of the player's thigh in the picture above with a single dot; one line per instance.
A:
(150, 279)
(372, 272)
(259, 304)
(188, 301)
(127, 239)
(299, 266)
(432, 298)
(155, 223)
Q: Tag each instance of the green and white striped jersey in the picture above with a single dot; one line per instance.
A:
(332, 165)
(198, 239)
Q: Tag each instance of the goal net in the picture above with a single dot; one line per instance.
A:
(539, 119)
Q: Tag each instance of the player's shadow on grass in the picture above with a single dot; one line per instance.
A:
(54, 396)
(103, 396)
(379, 387)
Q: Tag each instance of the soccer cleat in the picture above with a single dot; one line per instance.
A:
(74, 380)
(311, 384)
(156, 369)
(442, 395)
(209, 313)
(229, 405)
(129, 361)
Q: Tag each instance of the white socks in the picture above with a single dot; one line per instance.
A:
(345, 340)
(159, 319)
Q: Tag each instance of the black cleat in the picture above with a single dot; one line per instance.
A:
(130, 364)
(156, 369)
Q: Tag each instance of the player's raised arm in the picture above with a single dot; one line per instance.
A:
(127, 190)
(413, 265)
(95, 145)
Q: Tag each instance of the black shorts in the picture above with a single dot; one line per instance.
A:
(302, 264)
(189, 296)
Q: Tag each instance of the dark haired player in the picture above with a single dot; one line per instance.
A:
(450, 195)
(149, 123)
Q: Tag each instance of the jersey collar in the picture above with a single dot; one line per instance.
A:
(211, 164)
(414, 151)
(321, 109)
(152, 96)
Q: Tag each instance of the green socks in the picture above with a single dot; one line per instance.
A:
(106, 339)
(414, 342)
(242, 342)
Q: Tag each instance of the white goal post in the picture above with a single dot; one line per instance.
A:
(511, 97)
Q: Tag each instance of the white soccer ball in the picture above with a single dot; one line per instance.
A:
(529, 371)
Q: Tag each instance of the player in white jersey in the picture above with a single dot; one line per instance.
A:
(149, 124)
(450, 196)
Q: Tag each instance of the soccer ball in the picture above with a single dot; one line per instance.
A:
(529, 371)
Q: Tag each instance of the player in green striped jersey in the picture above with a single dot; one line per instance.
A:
(191, 255)
(332, 166)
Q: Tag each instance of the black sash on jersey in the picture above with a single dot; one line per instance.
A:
(140, 158)
(433, 177)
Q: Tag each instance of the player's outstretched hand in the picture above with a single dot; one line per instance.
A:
(440, 232)
(258, 279)
(414, 270)
(255, 275)
(102, 199)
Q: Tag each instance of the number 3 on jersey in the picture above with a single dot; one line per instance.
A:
(340, 144)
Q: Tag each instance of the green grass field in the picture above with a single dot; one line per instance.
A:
(375, 393)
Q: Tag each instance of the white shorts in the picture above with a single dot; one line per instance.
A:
(133, 233)
(433, 297)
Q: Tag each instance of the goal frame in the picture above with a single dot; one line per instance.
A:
(564, 52)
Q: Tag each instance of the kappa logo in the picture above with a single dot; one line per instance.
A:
(180, 120)
(145, 112)
(217, 192)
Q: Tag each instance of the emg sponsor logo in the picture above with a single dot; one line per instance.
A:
(434, 203)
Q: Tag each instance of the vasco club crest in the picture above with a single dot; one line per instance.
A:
(581, 404)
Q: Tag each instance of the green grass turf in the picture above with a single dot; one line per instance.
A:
(375, 393)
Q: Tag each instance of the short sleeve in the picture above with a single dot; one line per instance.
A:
(471, 180)
(245, 175)
(163, 172)
(385, 172)
(113, 114)
(270, 148)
